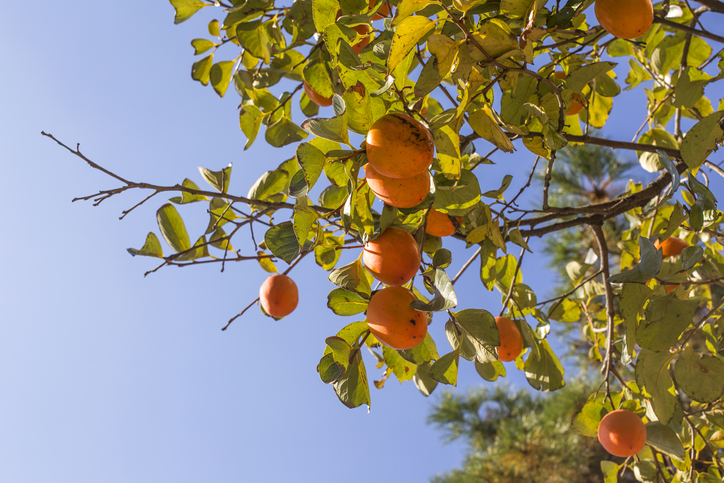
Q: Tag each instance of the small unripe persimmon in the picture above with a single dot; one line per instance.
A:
(315, 97)
(511, 340)
(393, 258)
(398, 192)
(393, 321)
(398, 146)
(671, 247)
(439, 224)
(622, 433)
(625, 19)
(278, 295)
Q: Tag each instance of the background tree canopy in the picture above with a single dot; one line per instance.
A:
(485, 79)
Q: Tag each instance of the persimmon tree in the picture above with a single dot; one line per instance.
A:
(478, 80)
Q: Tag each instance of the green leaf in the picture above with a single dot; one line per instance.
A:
(447, 145)
(644, 271)
(652, 373)
(250, 121)
(666, 318)
(457, 198)
(333, 197)
(362, 109)
(690, 256)
(422, 353)
(219, 240)
(567, 311)
(401, 368)
(485, 125)
(284, 132)
(186, 8)
(544, 371)
(610, 471)
(701, 378)
(254, 37)
(219, 180)
(324, 13)
(201, 69)
(495, 37)
(328, 369)
(172, 228)
(689, 87)
(282, 241)
(344, 302)
(312, 162)
(498, 194)
(578, 78)
(490, 371)
(202, 45)
(701, 139)
(340, 350)
(352, 387)
(407, 34)
(188, 197)
(665, 440)
(445, 297)
(268, 185)
(151, 248)
(352, 277)
(303, 220)
(326, 255)
(220, 76)
(633, 299)
(445, 369)
(479, 328)
(587, 419)
(424, 383)
(333, 129)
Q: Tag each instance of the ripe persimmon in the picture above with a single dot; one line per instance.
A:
(577, 105)
(362, 30)
(383, 12)
(398, 192)
(439, 224)
(315, 97)
(622, 433)
(625, 19)
(278, 295)
(393, 258)
(671, 247)
(511, 340)
(398, 146)
(393, 321)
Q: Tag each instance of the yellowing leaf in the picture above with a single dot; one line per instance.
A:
(485, 126)
(495, 37)
(407, 34)
(446, 50)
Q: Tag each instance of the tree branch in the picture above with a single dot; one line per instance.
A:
(686, 28)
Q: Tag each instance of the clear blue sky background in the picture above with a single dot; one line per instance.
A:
(108, 376)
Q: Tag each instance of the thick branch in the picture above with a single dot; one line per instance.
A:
(714, 5)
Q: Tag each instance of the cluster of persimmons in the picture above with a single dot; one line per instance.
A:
(399, 151)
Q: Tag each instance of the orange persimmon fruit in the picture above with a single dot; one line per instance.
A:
(383, 12)
(671, 247)
(577, 105)
(439, 224)
(362, 30)
(625, 19)
(393, 258)
(278, 295)
(622, 433)
(315, 97)
(398, 146)
(511, 340)
(398, 192)
(393, 321)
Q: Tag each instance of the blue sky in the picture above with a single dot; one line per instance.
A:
(109, 376)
